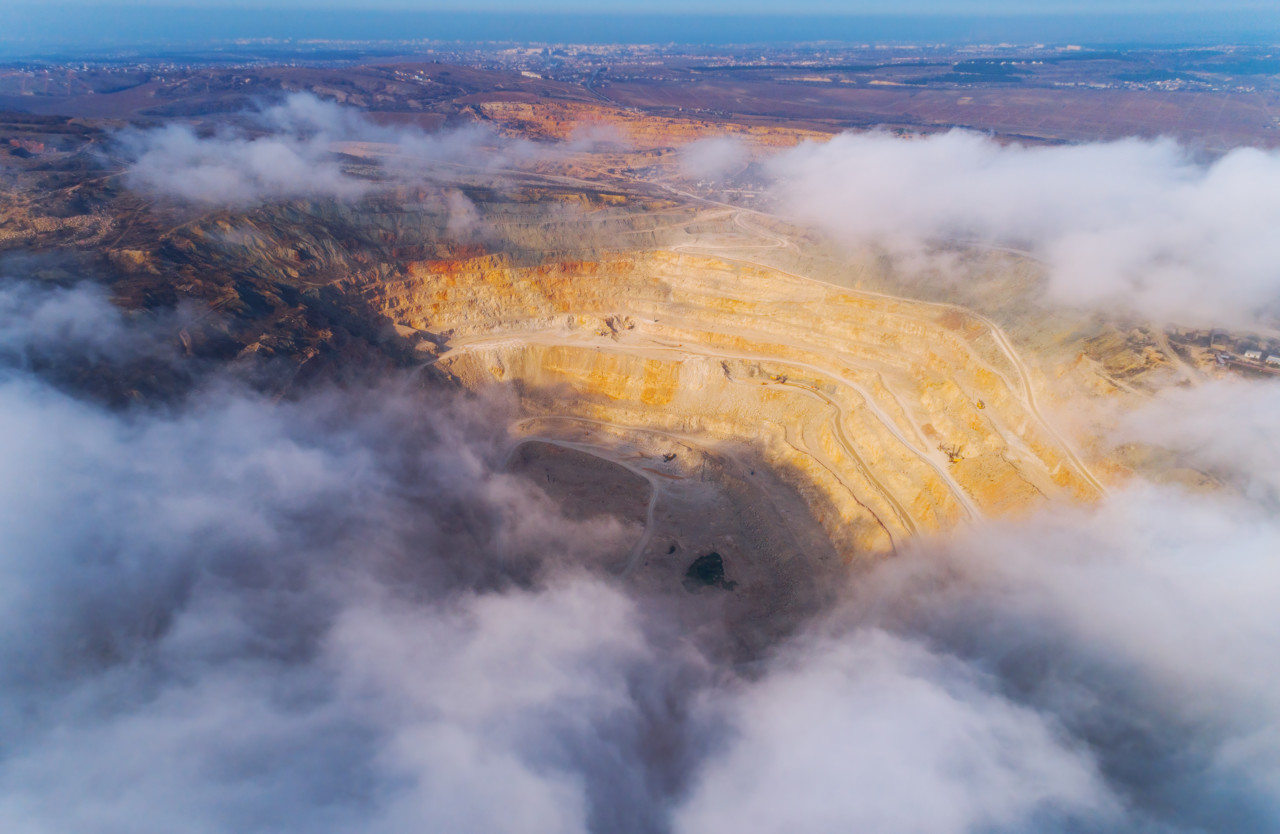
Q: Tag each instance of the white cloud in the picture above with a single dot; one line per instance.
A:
(1133, 224)
(1145, 626)
(38, 320)
(231, 169)
(292, 152)
(1227, 427)
(483, 695)
(234, 615)
(333, 614)
(714, 158)
(865, 731)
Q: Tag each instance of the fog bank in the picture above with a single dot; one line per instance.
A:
(1140, 225)
(292, 149)
(336, 614)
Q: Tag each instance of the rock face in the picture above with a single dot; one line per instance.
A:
(640, 131)
(889, 418)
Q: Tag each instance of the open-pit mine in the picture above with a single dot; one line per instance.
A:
(720, 380)
(773, 419)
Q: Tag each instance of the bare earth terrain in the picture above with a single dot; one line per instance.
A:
(709, 375)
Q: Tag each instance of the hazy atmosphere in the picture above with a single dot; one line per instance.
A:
(90, 25)
(589, 434)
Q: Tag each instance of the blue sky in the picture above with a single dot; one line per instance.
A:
(39, 28)
(841, 7)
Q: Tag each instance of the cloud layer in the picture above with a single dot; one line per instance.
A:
(1143, 627)
(291, 150)
(335, 614)
(1236, 443)
(867, 731)
(714, 158)
(1134, 224)
(243, 616)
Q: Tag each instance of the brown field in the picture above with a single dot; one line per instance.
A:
(1053, 102)
(1211, 120)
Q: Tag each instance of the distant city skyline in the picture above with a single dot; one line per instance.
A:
(46, 28)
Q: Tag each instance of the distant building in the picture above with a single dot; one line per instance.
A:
(1253, 355)
(1273, 360)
